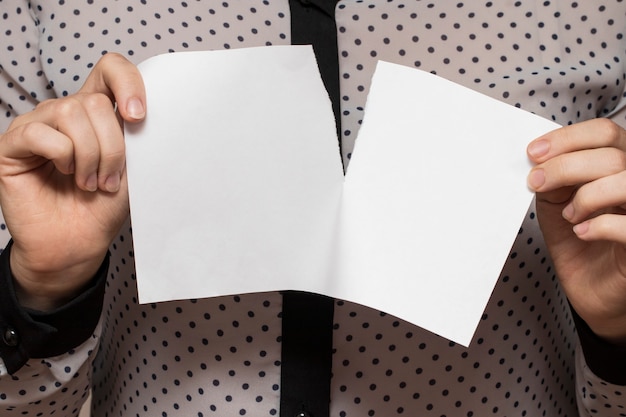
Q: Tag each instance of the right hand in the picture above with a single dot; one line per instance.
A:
(63, 185)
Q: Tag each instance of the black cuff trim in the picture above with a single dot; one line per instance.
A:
(606, 361)
(26, 333)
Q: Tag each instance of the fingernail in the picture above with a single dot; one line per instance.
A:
(568, 211)
(112, 183)
(92, 183)
(538, 148)
(536, 178)
(135, 108)
(581, 229)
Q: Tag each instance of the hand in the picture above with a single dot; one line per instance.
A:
(580, 180)
(63, 184)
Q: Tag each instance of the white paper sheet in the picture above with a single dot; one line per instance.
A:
(236, 186)
(434, 197)
(234, 174)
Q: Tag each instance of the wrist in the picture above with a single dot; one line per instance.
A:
(42, 299)
(45, 289)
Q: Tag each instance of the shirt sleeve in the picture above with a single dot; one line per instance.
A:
(603, 359)
(600, 374)
(594, 394)
(46, 357)
(26, 334)
(56, 386)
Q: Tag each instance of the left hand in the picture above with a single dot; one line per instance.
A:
(580, 181)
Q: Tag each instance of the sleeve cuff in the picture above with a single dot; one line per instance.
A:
(26, 334)
(605, 360)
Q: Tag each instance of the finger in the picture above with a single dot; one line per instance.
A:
(606, 227)
(591, 134)
(70, 118)
(606, 193)
(110, 140)
(21, 149)
(74, 120)
(121, 81)
(576, 168)
(89, 121)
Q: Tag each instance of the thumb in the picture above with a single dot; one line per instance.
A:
(121, 81)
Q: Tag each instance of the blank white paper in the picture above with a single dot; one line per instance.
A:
(233, 175)
(236, 186)
(434, 196)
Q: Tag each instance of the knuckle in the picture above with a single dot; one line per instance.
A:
(45, 103)
(113, 157)
(563, 167)
(95, 101)
(610, 130)
(617, 159)
(29, 133)
(112, 56)
(583, 201)
(622, 160)
(88, 154)
(30, 130)
(602, 226)
(66, 108)
(111, 59)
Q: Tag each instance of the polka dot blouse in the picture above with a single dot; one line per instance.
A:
(562, 59)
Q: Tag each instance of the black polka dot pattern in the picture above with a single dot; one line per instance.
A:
(205, 355)
(521, 354)
(50, 386)
(563, 60)
(219, 355)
